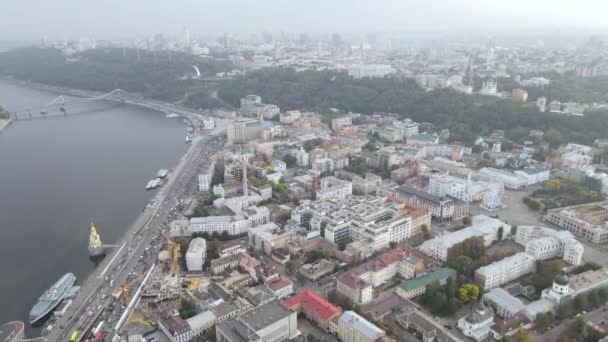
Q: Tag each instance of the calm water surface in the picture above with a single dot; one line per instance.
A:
(59, 174)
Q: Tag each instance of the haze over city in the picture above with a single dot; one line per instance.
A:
(304, 171)
(122, 19)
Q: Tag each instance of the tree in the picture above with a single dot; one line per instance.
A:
(521, 336)
(450, 289)
(469, 293)
(579, 328)
(500, 233)
(188, 309)
(466, 221)
(462, 265)
(425, 231)
(593, 297)
(543, 321)
(514, 230)
(293, 265)
(581, 302)
(603, 294)
(545, 273)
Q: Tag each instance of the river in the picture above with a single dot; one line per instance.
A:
(57, 175)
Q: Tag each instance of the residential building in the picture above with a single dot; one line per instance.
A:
(545, 243)
(223, 264)
(317, 270)
(505, 270)
(422, 139)
(588, 281)
(441, 208)
(588, 221)
(358, 283)
(268, 237)
(237, 224)
(504, 304)
(343, 121)
(482, 226)
(290, 116)
(230, 248)
(205, 178)
(243, 130)
(332, 187)
(280, 286)
(314, 307)
(443, 185)
(369, 70)
(534, 175)
(510, 180)
(417, 286)
(196, 254)
(476, 325)
(271, 322)
(179, 330)
(354, 328)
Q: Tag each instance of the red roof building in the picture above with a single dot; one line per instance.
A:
(314, 307)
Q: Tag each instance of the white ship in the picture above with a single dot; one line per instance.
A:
(155, 183)
(172, 116)
(162, 173)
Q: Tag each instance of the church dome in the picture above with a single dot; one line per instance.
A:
(561, 279)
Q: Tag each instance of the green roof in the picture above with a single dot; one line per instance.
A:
(412, 284)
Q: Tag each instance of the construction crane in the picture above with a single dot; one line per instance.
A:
(174, 253)
(123, 291)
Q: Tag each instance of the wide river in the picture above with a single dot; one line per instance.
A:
(57, 175)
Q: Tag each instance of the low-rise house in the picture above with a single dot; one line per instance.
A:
(415, 287)
(314, 307)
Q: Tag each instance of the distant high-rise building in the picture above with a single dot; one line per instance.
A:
(243, 130)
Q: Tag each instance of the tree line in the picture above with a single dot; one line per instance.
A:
(467, 116)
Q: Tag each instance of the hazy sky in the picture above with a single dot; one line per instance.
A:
(112, 18)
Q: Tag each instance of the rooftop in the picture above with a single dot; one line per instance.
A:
(361, 325)
(504, 299)
(312, 302)
(412, 284)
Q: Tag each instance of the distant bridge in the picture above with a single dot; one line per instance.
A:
(59, 106)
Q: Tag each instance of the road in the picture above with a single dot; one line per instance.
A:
(134, 253)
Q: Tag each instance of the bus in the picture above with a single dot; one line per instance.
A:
(74, 336)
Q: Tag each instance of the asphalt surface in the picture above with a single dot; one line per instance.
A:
(137, 250)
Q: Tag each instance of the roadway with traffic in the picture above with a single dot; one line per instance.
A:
(138, 248)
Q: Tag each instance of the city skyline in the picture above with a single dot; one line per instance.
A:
(114, 19)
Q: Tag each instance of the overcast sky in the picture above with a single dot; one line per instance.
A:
(126, 18)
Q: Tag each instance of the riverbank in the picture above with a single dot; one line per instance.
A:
(4, 123)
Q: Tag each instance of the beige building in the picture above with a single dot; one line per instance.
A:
(588, 221)
(354, 328)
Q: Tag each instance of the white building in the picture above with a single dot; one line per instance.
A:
(354, 328)
(196, 254)
(505, 270)
(545, 243)
(290, 116)
(511, 180)
(342, 121)
(270, 322)
(482, 226)
(443, 185)
(504, 304)
(205, 178)
(234, 225)
(534, 175)
(369, 70)
(477, 324)
(332, 187)
(302, 157)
